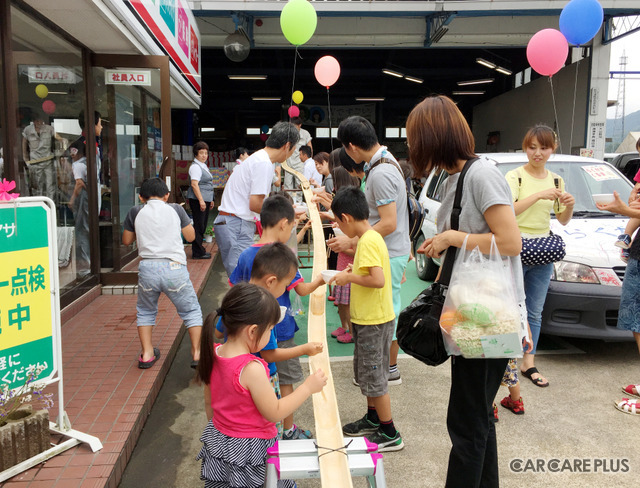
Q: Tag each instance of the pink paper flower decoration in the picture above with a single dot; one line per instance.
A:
(5, 188)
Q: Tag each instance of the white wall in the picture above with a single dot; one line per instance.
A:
(514, 112)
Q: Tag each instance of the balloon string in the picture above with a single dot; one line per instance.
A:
(555, 112)
(329, 113)
(293, 82)
(573, 111)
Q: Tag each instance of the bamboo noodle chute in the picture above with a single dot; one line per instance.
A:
(334, 466)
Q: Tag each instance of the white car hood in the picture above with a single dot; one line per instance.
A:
(591, 241)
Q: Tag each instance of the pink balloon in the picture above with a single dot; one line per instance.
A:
(293, 111)
(547, 51)
(49, 106)
(327, 70)
(263, 137)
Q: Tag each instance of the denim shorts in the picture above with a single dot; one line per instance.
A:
(371, 357)
(290, 370)
(157, 276)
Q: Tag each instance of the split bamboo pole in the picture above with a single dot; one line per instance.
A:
(334, 466)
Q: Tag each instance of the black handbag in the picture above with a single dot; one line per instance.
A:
(418, 332)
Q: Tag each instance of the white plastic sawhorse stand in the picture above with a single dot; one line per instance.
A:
(291, 460)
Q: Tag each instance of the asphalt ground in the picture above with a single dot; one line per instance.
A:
(570, 436)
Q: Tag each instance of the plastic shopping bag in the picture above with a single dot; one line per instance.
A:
(480, 317)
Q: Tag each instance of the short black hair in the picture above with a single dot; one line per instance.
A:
(199, 146)
(274, 209)
(349, 164)
(240, 151)
(350, 200)
(276, 259)
(96, 118)
(358, 131)
(153, 187)
(78, 145)
(306, 150)
(296, 120)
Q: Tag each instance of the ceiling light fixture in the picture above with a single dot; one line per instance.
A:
(414, 79)
(504, 71)
(486, 63)
(247, 77)
(369, 99)
(390, 72)
(266, 99)
(476, 82)
(479, 92)
(208, 129)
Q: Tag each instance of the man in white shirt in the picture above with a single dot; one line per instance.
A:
(310, 172)
(290, 181)
(244, 192)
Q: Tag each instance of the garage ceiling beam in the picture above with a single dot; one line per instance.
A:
(437, 27)
(617, 27)
(407, 7)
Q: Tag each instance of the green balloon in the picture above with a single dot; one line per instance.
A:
(298, 21)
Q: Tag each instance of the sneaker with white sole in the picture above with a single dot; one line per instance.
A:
(624, 241)
(394, 378)
(386, 443)
(296, 433)
(360, 427)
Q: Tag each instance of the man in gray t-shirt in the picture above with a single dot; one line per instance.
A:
(386, 193)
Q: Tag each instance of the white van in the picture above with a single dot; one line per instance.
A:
(584, 295)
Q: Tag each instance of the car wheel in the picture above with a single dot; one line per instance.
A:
(427, 270)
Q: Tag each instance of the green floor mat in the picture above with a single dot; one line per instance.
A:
(410, 289)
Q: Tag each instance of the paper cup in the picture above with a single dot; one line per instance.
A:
(328, 274)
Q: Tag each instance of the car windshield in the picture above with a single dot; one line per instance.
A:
(583, 180)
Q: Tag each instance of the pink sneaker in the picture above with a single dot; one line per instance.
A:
(345, 338)
(338, 332)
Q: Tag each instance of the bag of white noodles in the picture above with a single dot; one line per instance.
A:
(481, 317)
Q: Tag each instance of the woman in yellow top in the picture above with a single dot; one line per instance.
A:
(536, 192)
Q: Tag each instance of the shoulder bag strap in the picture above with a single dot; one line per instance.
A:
(447, 266)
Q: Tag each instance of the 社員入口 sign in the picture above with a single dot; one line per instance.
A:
(127, 77)
(27, 303)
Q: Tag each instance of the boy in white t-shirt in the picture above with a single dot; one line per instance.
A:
(157, 226)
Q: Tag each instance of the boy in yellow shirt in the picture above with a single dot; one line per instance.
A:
(372, 317)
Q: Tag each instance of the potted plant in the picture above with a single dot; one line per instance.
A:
(208, 234)
(23, 432)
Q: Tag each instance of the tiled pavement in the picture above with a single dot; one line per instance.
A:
(106, 395)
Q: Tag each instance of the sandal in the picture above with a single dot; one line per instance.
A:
(632, 407)
(629, 390)
(516, 406)
(147, 364)
(538, 381)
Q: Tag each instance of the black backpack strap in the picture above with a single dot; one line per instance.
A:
(447, 266)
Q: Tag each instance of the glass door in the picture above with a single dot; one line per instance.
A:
(129, 101)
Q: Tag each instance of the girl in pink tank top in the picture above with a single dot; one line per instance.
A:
(240, 403)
